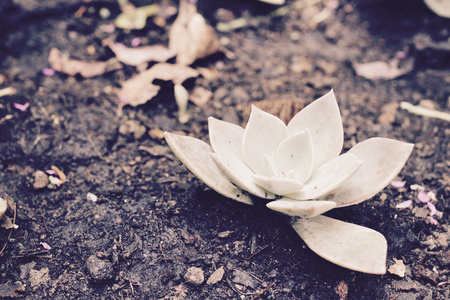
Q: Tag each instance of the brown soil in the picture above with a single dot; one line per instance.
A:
(153, 219)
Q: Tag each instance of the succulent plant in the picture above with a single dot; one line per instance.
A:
(300, 168)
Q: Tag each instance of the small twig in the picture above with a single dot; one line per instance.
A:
(5, 118)
(256, 253)
(426, 112)
(7, 91)
(443, 283)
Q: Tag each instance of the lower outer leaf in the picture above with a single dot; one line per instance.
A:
(195, 155)
(348, 245)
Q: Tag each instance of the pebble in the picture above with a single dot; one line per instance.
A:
(40, 180)
(99, 269)
(194, 275)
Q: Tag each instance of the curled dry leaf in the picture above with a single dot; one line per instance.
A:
(62, 63)
(139, 89)
(139, 55)
(190, 37)
(383, 70)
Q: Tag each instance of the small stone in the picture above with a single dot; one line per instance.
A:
(272, 274)
(243, 278)
(99, 269)
(194, 275)
(40, 180)
(156, 133)
(91, 197)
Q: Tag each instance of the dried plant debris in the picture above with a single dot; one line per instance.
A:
(3, 207)
(190, 37)
(62, 63)
(384, 70)
(200, 96)
(140, 89)
(10, 289)
(135, 18)
(216, 276)
(140, 55)
(398, 268)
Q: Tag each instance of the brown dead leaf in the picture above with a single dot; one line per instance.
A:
(383, 70)
(62, 63)
(139, 55)
(190, 37)
(200, 96)
(140, 89)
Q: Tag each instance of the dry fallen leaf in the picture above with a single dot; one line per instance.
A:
(190, 37)
(62, 63)
(216, 276)
(398, 268)
(383, 70)
(139, 89)
(139, 55)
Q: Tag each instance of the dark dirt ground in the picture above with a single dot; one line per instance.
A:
(153, 220)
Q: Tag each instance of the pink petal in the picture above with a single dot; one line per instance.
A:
(404, 204)
(398, 184)
(51, 172)
(46, 246)
(135, 42)
(432, 208)
(48, 72)
(21, 107)
(433, 221)
(401, 54)
(423, 197)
